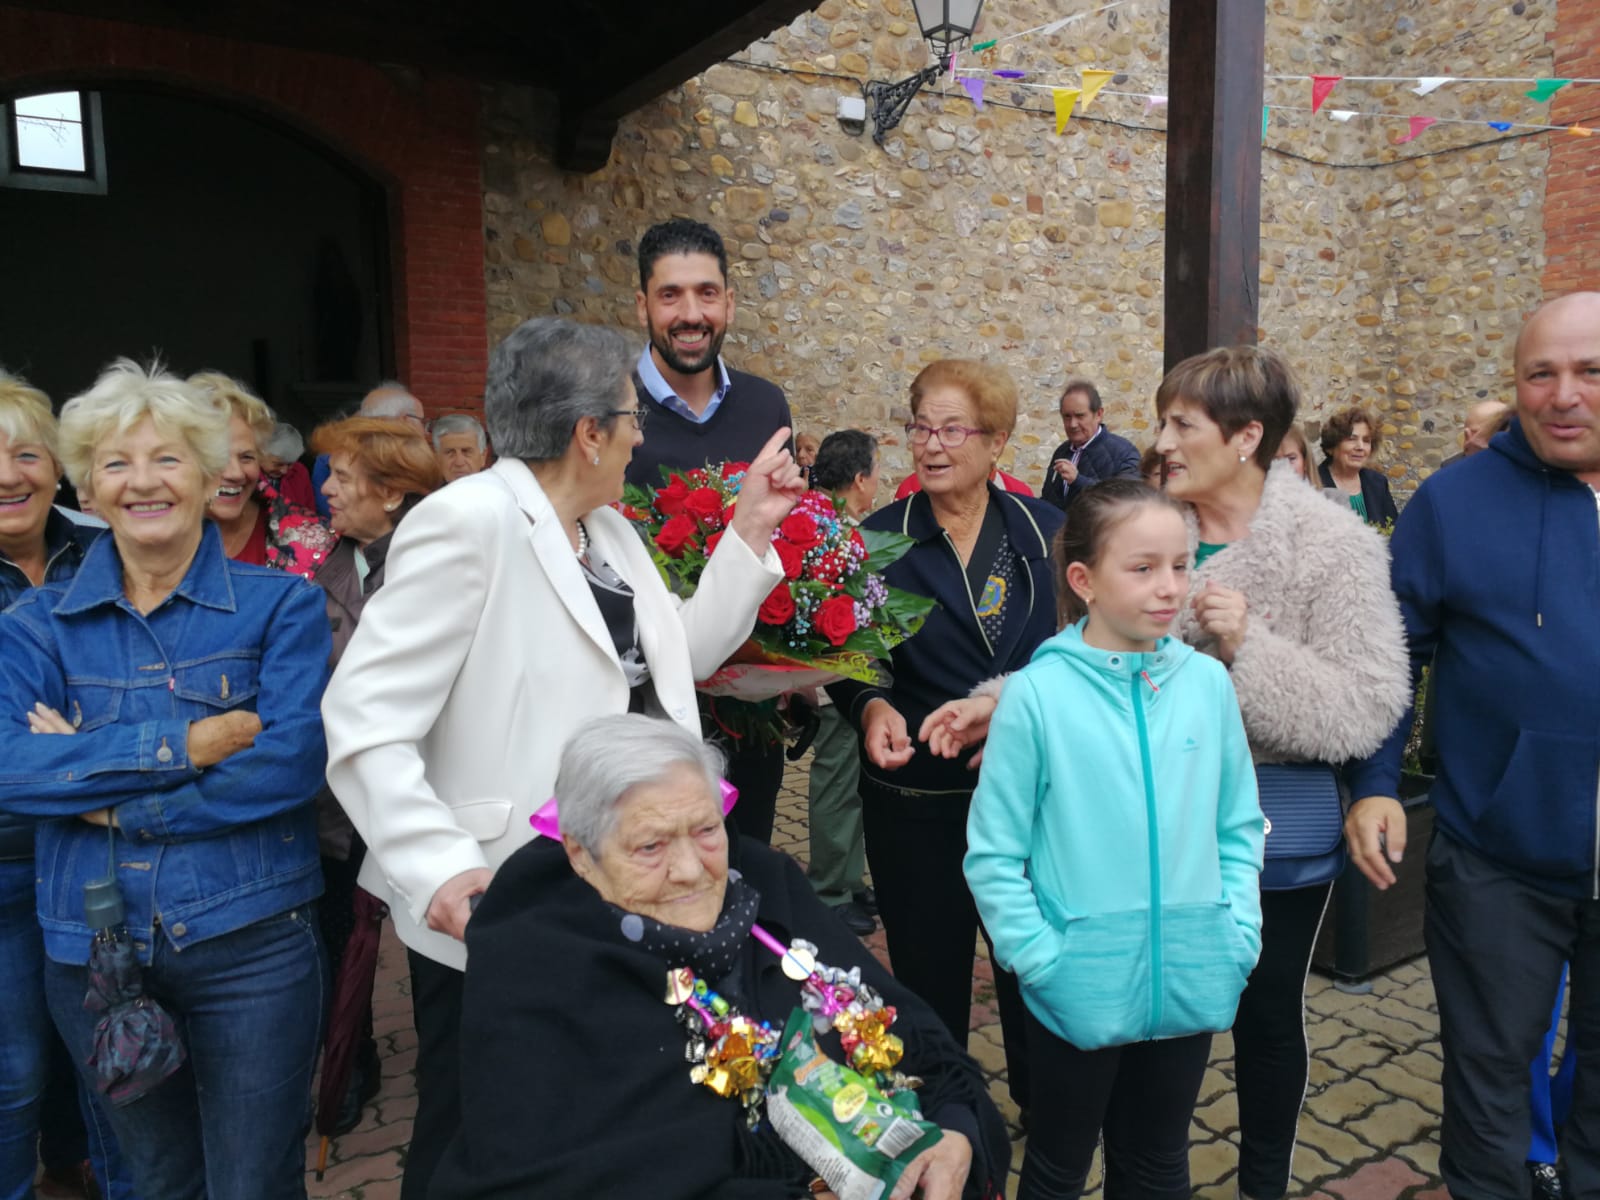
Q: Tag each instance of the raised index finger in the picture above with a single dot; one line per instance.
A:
(775, 443)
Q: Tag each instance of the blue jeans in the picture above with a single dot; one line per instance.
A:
(232, 1121)
(29, 1056)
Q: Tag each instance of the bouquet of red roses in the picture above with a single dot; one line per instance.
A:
(831, 616)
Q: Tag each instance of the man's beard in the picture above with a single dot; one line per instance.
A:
(670, 354)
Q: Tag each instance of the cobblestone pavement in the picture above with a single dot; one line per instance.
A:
(1369, 1130)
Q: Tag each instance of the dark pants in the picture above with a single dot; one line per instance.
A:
(915, 845)
(1142, 1095)
(756, 769)
(1497, 946)
(233, 1120)
(436, 1012)
(47, 1114)
(1271, 1058)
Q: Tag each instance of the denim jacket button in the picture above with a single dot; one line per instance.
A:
(164, 755)
(179, 929)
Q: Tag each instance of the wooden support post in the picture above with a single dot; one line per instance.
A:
(1217, 53)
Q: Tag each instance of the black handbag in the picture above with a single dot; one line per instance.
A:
(1304, 812)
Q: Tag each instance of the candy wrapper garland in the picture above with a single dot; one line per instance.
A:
(831, 616)
(733, 1055)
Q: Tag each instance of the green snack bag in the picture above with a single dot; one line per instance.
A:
(847, 1131)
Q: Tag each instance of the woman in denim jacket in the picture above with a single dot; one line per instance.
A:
(190, 687)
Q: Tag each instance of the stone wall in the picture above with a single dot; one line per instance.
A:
(1390, 275)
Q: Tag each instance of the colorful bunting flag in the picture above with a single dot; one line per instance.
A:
(1321, 85)
(1580, 131)
(1093, 81)
(982, 46)
(1502, 126)
(1151, 103)
(1065, 98)
(1266, 110)
(1544, 89)
(1418, 124)
(1010, 74)
(1430, 83)
(1342, 115)
(974, 88)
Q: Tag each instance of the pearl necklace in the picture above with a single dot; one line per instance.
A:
(583, 541)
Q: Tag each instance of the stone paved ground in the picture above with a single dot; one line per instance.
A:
(1369, 1130)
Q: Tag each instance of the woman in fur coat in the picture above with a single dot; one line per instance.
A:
(1292, 593)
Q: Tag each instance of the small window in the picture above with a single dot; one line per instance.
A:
(52, 142)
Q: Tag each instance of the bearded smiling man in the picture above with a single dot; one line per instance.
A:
(698, 410)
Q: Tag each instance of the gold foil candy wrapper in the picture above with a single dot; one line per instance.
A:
(721, 1082)
(698, 1073)
(877, 1054)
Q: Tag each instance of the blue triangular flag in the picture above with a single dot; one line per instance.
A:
(1502, 126)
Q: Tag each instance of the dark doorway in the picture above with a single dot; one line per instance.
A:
(221, 241)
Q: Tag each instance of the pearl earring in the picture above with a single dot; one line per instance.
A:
(595, 460)
(1243, 459)
(388, 508)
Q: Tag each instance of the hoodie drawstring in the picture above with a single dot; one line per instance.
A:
(1538, 570)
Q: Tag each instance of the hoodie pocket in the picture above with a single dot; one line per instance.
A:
(1204, 965)
(1097, 992)
(1529, 820)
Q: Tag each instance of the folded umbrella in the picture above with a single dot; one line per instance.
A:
(347, 1019)
(136, 1043)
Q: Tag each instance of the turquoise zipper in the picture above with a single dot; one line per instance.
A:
(1155, 855)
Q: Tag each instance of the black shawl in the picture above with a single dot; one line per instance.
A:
(573, 1077)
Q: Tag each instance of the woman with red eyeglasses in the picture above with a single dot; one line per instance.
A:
(984, 554)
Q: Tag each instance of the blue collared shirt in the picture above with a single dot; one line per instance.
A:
(662, 392)
(200, 853)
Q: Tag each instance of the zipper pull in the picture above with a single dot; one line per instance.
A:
(1145, 675)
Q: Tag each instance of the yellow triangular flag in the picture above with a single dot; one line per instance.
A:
(1093, 81)
(1065, 98)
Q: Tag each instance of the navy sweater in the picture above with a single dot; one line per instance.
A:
(751, 412)
(1497, 569)
(950, 655)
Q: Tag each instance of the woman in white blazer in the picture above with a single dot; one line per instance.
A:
(518, 606)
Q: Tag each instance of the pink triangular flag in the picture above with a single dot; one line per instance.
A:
(974, 88)
(1321, 85)
(1151, 103)
(1418, 124)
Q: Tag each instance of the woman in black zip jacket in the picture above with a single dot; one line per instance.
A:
(984, 555)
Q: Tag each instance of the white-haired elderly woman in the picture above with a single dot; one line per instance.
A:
(163, 721)
(518, 606)
(573, 1074)
(460, 444)
(38, 544)
(262, 527)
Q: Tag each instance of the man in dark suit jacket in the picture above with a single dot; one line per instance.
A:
(1091, 452)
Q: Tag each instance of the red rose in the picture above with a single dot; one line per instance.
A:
(729, 470)
(836, 619)
(828, 569)
(670, 499)
(727, 515)
(778, 607)
(676, 535)
(792, 558)
(800, 530)
(711, 543)
(704, 505)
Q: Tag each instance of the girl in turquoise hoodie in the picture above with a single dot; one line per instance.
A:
(1114, 850)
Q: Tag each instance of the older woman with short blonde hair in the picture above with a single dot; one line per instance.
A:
(984, 555)
(259, 525)
(38, 544)
(164, 720)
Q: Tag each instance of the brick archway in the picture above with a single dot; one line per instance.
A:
(416, 134)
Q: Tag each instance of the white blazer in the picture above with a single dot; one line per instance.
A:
(481, 654)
